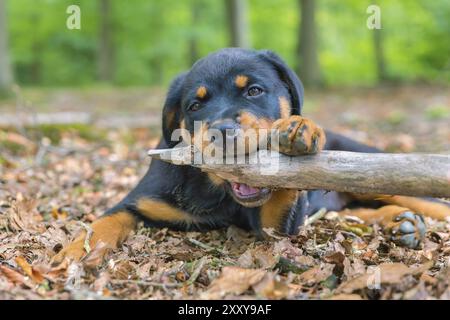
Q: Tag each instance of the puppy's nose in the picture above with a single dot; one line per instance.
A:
(229, 130)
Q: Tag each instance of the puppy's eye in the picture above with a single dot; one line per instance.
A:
(255, 91)
(194, 106)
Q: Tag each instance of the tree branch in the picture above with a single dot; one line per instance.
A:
(379, 173)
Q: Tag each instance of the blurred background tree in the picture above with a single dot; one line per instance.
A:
(147, 42)
(105, 56)
(238, 23)
(307, 45)
(6, 75)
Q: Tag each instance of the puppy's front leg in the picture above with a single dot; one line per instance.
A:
(110, 230)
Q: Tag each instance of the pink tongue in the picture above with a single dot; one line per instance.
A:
(244, 189)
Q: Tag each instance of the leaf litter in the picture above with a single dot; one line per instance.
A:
(46, 201)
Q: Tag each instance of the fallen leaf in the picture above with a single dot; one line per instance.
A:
(58, 271)
(101, 282)
(34, 274)
(59, 213)
(270, 287)
(233, 280)
(386, 273)
(335, 258)
(317, 274)
(260, 257)
(14, 276)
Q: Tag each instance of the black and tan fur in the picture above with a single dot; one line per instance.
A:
(241, 89)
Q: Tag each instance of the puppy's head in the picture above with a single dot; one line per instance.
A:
(227, 94)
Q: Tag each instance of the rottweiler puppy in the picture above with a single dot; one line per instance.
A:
(231, 90)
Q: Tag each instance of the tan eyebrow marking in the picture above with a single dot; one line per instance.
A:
(285, 107)
(201, 92)
(241, 81)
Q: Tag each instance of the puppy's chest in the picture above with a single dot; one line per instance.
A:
(202, 202)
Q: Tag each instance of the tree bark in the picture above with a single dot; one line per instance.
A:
(6, 74)
(309, 69)
(380, 61)
(238, 23)
(105, 50)
(375, 173)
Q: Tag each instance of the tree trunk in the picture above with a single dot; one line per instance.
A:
(105, 50)
(379, 55)
(238, 23)
(6, 75)
(193, 41)
(309, 69)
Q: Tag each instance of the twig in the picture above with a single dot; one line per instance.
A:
(199, 266)
(200, 263)
(149, 283)
(316, 216)
(205, 246)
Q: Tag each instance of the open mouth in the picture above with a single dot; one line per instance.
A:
(249, 196)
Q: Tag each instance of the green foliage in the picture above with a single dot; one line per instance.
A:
(12, 147)
(54, 132)
(152, 39)
(437, 112)
(396, 117)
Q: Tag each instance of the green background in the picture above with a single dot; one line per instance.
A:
(151, 39)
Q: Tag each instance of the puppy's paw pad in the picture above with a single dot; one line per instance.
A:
(299, 136)
(408, 229)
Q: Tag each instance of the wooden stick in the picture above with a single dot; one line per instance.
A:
(378, 173)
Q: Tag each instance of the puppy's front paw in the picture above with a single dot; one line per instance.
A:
(74, 252)
(408, 229)
(298, 136)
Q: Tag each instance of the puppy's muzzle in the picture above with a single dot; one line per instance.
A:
(230, 132)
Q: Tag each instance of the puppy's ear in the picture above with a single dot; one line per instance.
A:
(288, 76)
(171, 115)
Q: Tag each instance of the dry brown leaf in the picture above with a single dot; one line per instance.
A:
(306, 261)
(260, 257)
(55, 272)
(25, 216)
(233, 280)
(353, 269)
(285, 248)
(265, 258)
(428, 279)
(123, 270)
(335, 258)
(34, 274)
(101, 282)
(246, 259)
(386, 273)
(270, 287)
(272, 233)
(59, 214)
(14, 276)
(317, 274)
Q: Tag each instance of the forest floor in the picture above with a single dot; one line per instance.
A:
(57, 178)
